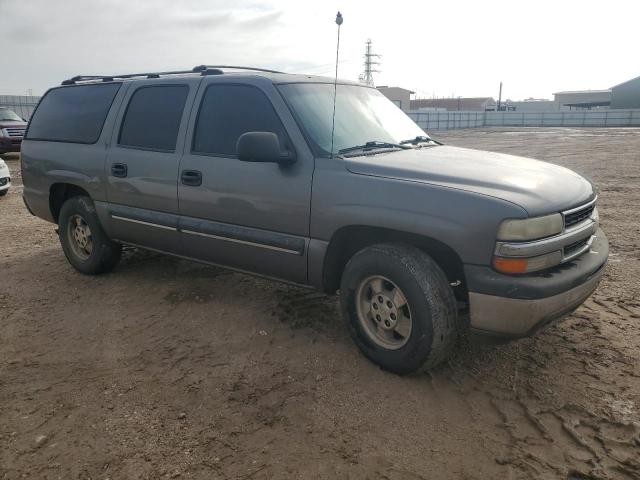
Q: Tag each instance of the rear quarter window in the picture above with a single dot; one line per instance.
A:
(153, 117)
(73, 114)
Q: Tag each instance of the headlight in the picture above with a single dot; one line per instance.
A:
(530, 228)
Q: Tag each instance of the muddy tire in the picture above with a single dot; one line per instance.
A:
(399, 307)
(4, 192)
(86, 246)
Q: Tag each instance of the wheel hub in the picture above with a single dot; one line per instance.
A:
(383, 312)
(80, 238)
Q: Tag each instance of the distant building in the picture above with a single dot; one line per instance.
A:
(400, 96)
(530, 105)
(464, 104)
(582, 99)
(626, 94)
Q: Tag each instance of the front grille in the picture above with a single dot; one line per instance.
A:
(575, 246)
(3, 181)
(578, 216)
(15, 131)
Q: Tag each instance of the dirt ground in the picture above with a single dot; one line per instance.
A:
(170, 369)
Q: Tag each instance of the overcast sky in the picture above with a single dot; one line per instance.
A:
(442, 48)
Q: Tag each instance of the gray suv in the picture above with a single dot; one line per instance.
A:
(239, 167)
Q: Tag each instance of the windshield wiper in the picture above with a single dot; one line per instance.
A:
(419, 139)
(374, 144)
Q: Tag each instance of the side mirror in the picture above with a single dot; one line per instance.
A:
(262, 147)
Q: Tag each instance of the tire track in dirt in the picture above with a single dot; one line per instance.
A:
(170, 369)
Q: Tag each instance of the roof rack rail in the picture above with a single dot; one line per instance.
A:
(204, 68)
(201, 69)
(111, 78)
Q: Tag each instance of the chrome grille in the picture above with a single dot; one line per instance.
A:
(15, 131)
(576, 216)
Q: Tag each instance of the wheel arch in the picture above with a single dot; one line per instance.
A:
(59, 193)
(348, 240)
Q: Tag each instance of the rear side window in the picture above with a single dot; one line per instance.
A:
(228, 111)
(72, 114)
(153, 117)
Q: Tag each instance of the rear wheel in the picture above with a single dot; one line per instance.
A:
(4, 192)
(86, 246)
(399, 307)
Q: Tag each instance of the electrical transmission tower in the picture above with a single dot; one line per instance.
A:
(370, 62)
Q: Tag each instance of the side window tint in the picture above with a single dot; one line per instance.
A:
(74, 114)
(152, 119)
(228, 111)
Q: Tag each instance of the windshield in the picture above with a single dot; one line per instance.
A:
(363, 115)
(6, 114)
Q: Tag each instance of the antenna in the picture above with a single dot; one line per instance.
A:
(335, 82)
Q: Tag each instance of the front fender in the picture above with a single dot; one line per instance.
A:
(466, 222)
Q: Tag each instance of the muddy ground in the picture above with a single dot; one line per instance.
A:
(170, 369)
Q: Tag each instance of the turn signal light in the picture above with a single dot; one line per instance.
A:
(514, 265)
(510, 265)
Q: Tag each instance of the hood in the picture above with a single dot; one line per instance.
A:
(12, 123)
(538, 187)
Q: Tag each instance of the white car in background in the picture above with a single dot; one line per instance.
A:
(5, 178)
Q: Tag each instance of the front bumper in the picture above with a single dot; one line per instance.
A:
(518, 306)
(5, 178)
(10, 144)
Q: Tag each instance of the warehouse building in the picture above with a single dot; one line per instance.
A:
(626, 94)
(582, 99)
(459, 104)
(400, 96)
(529, 105)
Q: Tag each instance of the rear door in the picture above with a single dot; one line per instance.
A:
(246, 215)
(142, 163)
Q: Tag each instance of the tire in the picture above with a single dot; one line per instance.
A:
(429, 303)
(98, 254)
(4, 192)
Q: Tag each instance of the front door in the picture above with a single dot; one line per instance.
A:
(143, 161)
(245, 215)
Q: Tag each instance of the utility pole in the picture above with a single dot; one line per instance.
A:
(370, 61)
(500, 97)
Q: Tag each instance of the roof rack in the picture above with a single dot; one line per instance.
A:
(205, 68)
(201, 69)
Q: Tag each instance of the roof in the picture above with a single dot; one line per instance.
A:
(461, 103)
(396, 88)
(575, 92)
(628, 81)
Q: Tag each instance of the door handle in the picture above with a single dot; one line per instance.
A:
(192, 178)
(119, 170)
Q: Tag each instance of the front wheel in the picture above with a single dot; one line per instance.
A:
(4, 192)
(84, 242)
(399, 307)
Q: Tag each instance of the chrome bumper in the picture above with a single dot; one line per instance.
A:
(514, 317)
